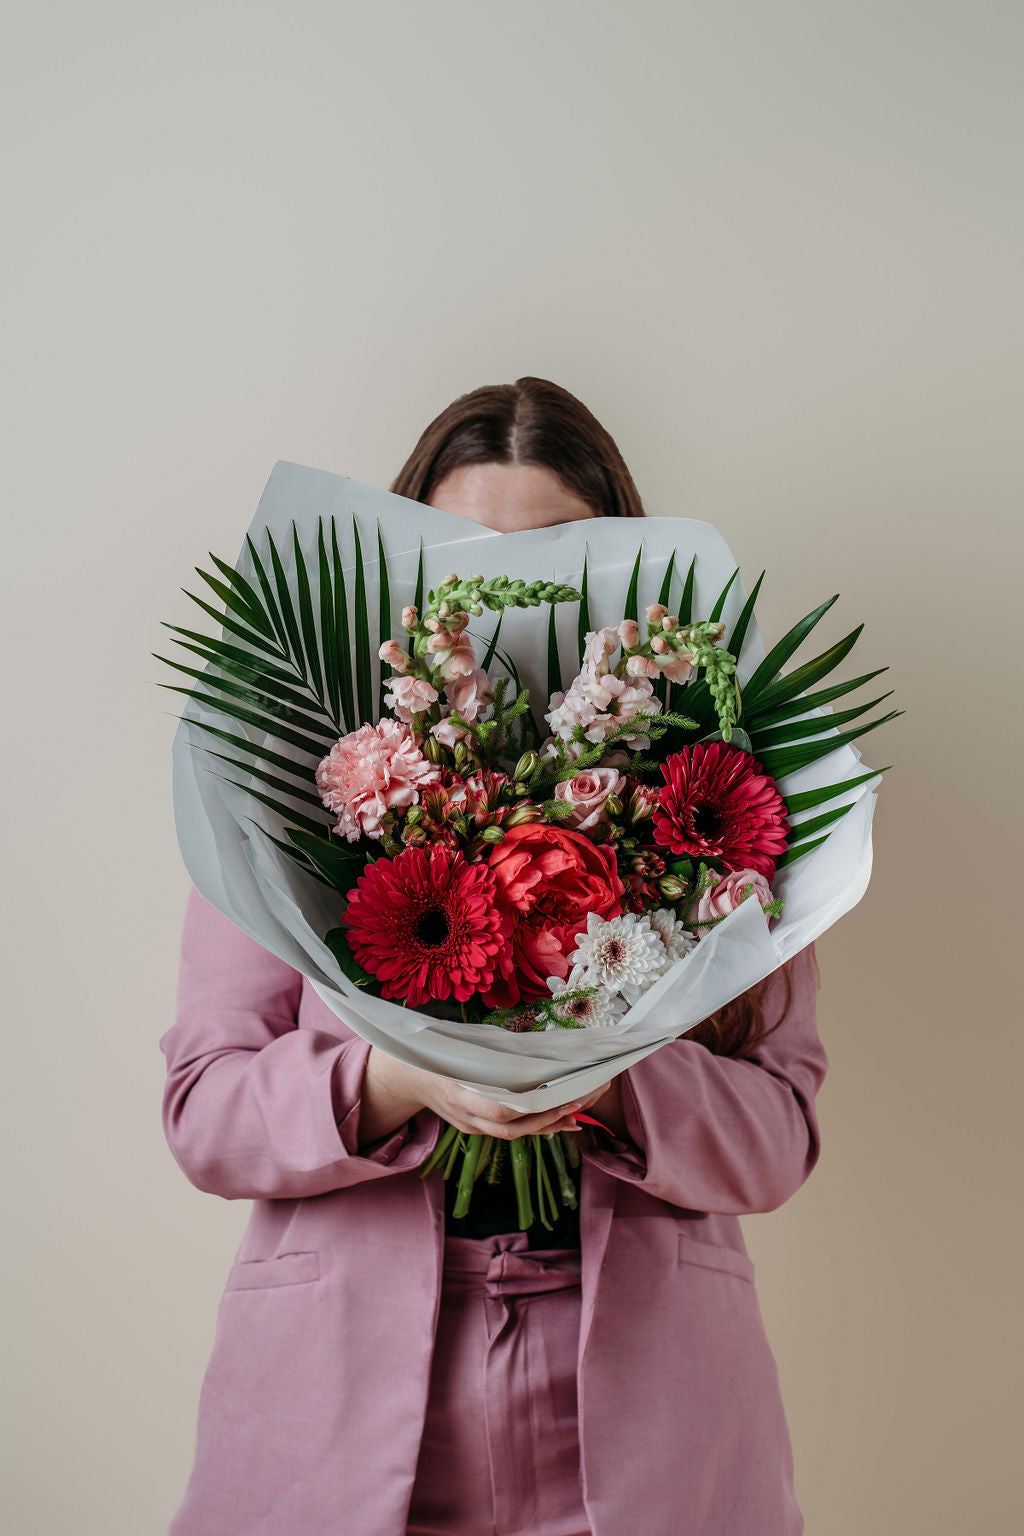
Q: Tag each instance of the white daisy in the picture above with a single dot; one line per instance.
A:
(675, 935)
(623, 954)
(601, 1008)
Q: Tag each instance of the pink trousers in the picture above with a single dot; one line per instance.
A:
(500, 1453)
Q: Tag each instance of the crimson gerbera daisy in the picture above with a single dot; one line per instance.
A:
(428, 926)
(718, 803)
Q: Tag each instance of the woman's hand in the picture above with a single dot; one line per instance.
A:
(393, 1092)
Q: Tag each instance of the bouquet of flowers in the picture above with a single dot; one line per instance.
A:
(483, 873)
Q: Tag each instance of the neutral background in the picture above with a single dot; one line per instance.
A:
(776, 248)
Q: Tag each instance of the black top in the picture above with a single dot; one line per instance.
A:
(493, 1209)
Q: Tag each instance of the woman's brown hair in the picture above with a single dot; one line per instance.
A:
(534, 421)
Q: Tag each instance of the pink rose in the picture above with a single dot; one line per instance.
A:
(721, 899)
(588, 793)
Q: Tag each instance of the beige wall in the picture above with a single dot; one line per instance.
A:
(777, 249)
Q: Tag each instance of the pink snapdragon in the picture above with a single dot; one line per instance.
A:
(409, 697)
(468, 697)
(371, 771)
(600, 701)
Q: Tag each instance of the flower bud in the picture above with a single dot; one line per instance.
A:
(410, 616)
(655, 613)
(520, 814)
(613, 805)
(391, 845)
(671, 887)
(492, 835)
(413, 815)
(525, 768)
(433, 750)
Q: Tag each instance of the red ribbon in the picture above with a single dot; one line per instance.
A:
(578, 1114)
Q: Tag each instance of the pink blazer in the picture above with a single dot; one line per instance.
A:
(313, 1401)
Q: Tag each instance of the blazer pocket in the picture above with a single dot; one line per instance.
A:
(286, 1269)
(714, 1256)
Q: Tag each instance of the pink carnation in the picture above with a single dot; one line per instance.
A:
(721, 899)
(376, 769)
(587, 793)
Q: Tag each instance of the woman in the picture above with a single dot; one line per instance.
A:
(380, 1369)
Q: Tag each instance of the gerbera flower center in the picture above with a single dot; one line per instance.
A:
(707, 821)
(433, 928)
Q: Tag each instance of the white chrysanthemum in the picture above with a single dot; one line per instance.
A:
(675, 935)
(597, 1011)
(623, 954)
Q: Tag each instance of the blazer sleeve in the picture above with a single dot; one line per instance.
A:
(255, 1107)
(728, 1134)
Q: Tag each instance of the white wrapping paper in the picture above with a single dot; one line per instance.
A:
(265, 893)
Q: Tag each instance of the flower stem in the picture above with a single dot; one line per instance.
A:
(471, 1158)
(520, 1173)
(544, 1190)
(444, 1142)
(566, 1187)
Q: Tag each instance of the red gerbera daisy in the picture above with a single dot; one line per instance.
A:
(717, 803)
(428, 926)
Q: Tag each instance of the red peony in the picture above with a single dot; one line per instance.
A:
(548, 879)
(428, 926)
(717, 803)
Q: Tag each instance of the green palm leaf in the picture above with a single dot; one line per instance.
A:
(250, 673)
(583, 620)
(716, 612)
(554, 665)
(780, 653)
(262, 752)
(274, 782)
(734, 643)
(666, 581)
(384, 620)
(236, 603)
(310, 640)
(493, 643)
(246, 593)
(269, 600)
(780, 761)
(337, 862)
(328, 635)
(362, 627)
(795, 682)
(259, 642)
(343, 659)
(763, 737)
(222, 651)
(797, 706)
(274, 710)
(686, 601)
(805, 799)
(797, 850)
(284, 598)
(316, 747)
(629, 607)
(803, 829)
